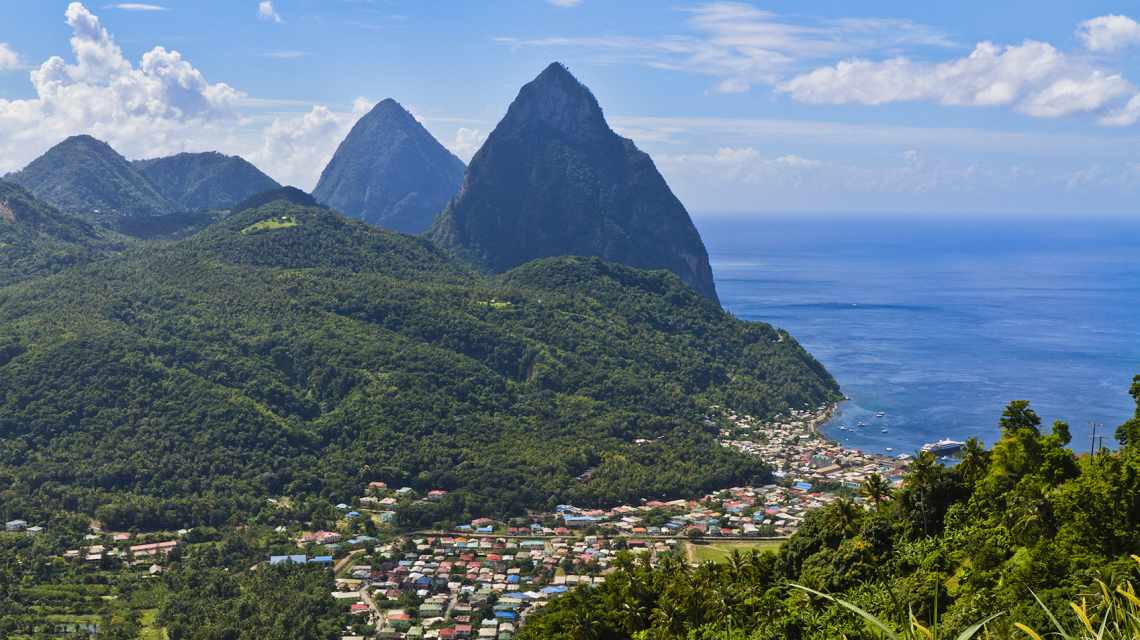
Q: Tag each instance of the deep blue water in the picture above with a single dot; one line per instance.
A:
(939, 323)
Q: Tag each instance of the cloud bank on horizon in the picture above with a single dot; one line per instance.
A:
(164, 104)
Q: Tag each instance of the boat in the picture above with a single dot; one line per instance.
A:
(890, 449)
(943, 447)
(881, 414)
(883, 430)
(861, 424)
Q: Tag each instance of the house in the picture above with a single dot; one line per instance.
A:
(16, 525)
(294, 559)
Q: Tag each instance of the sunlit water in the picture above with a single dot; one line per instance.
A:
(939, 323)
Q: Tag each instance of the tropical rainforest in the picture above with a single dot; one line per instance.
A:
(1025, 538)
(289, 351)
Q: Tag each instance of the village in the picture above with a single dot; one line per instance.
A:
(483, 578)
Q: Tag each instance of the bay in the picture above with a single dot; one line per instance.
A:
(939, 322)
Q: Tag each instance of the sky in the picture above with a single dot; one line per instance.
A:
(915, 108)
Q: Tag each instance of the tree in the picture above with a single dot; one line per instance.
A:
(876, 489)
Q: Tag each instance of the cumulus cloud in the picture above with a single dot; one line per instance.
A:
(1127, 115)
(266, 12)
(296, 148)
(467, 141)
(9, 59)
(157, 106)
(1109, 33)
(1034, 77)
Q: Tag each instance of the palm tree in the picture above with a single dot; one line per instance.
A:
(876, 489)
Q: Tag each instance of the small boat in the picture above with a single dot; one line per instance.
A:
(880, 415)
(883, 430)
(890, 449)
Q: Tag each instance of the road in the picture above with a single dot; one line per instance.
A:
(343, 562)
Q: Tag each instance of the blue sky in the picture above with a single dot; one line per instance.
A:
(965, 108)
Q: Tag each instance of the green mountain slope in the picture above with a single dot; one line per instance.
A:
(289, 350)
(87, 178)
(553, 179)
(390, 172)
(197, 181)
(36, 239)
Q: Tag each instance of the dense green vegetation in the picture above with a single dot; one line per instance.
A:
(36, 239)
(205, 600)
(554, 180)
(203, 181)
(184, 383)
(206, 591)
(86, 177)
(952, 547)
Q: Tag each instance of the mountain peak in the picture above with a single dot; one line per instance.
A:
(554, 180)
(556, 98)
(84, 176)
(205, 181)
(291, 195)
(390, 172)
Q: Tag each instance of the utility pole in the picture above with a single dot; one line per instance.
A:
(1092, 439)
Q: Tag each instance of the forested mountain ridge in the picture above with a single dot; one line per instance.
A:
(553, 179)
(85, 177)
(37, 239)
(210, 180)
(288, 350)
(390, 172)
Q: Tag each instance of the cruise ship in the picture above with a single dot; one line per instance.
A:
(943, 447)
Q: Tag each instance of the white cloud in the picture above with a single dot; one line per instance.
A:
(9, 59)
(736, 167)
(467, 142)
(266, 12)
(1109, 33)
(743, 46)
(1034, 77)
(565, 3)
(284, 54)
(137, 6)
(295, 149)
(1127, 115)
(160, 105)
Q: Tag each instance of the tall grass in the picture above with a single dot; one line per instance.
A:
(1114, 614)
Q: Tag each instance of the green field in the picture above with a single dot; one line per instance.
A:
(284, 222)
(720, 551)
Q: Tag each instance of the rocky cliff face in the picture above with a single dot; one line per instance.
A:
(390, 172)
(553, 179)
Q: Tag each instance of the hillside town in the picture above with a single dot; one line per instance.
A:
(483, 578)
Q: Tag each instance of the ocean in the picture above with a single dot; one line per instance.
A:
(939, 323)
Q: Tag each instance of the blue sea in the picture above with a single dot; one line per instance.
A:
(938, 323)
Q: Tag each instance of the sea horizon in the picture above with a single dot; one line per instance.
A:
(939, 322)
